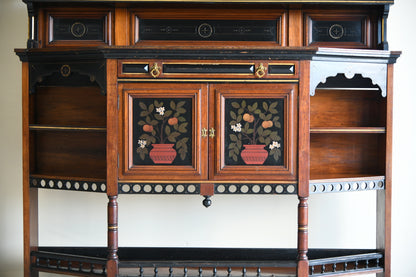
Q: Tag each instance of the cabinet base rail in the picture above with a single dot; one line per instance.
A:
(216, 262)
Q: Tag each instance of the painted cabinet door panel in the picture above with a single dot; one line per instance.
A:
(256, 131)
(208, 132)
(161, 129)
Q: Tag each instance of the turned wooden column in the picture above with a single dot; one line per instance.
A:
(112, 161)
(303, 185)
(112, 263)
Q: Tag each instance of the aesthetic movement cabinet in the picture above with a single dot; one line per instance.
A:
(205, 98)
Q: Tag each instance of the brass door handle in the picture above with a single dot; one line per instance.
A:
(204, 132)
(212, 133)
(155, 70)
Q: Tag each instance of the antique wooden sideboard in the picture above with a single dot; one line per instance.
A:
(192, 97)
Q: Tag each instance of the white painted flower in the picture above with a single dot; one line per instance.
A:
(236, 128)
(160, 110)
(142, 143)
(274, 145)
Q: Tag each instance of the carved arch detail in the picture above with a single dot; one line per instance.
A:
(85, 73)
(322, 70)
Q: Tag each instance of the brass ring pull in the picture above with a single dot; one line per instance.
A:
(155, 70)
(204, 132)
(212, 133)
(260, 71)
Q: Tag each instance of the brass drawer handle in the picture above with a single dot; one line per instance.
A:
(260, 71)
(155, 70)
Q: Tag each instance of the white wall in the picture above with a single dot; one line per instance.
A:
(339, 220)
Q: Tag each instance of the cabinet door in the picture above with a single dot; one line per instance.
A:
(256, 132)
(162, 131)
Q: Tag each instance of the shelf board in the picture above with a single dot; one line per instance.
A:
(345, 178)
(37, 127)
(351, 184)
(347, 130)
(68, 183)
(223, 261)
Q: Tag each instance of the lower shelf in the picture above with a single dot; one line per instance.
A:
(91, 261)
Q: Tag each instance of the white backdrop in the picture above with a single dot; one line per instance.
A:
(338, 220)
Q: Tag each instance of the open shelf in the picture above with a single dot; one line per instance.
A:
(346, 155)
(68, 106)
(347, 109)
(68, 153)
(90, 261)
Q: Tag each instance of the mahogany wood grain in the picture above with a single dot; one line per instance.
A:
(384, 198)
(121, 27)
(302, 269)
(295, 29)
(112, 129)
(30, 196)
(112, 160)
(63, 153)
(338, 155)
(348, 108)
(68, 106)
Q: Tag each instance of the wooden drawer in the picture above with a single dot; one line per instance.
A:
(208, 69)
(347, 29)
(214, 26)
(75, 27)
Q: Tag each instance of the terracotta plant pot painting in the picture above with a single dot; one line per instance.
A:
(254, 131)
(162, 131)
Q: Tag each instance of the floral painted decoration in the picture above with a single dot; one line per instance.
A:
(255, 122)
(162, 124)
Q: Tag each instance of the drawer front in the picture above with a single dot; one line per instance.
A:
(78, 28)
(338, 30)
(209, 69)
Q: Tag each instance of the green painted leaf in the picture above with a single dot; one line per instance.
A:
(172, 105)
(235, 105)
(141, 123)
(168, 113)
(181, 110)
(243, 104)
(142, 106)
(167, 130)
(273, 105)
(233, 137)
(182, 127)
(265, 106)
(233, 115)
(180, 104)
(151, 107)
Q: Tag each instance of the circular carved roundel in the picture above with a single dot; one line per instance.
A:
(336, 31)
(78, 29)
(205, 30)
